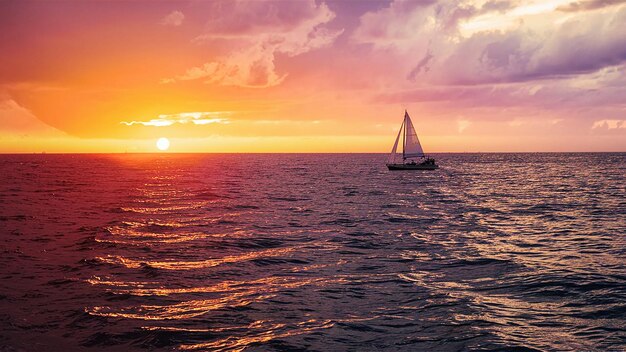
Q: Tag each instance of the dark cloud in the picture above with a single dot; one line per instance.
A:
(499, 6)
(578, 46)
(589, 5)
(422, 66)
(502, 53)
(549, 94)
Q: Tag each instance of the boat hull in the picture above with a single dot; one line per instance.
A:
(412, 167)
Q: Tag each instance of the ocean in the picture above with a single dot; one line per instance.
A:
(318, 252)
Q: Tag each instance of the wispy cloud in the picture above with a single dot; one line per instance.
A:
(175, 18)
(609, 124)
(257, 32)
(462, 125)
(588, 5)
(196, 118)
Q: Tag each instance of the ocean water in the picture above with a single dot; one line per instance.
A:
(320, 252)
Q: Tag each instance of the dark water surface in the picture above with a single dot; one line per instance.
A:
(510, 252)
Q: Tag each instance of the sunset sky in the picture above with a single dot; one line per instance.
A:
(312, 76)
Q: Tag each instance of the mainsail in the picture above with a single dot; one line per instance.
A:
(411, 146)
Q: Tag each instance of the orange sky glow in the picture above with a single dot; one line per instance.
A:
(312, 76)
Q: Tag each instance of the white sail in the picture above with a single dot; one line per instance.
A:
(412, 147)
(395, 145)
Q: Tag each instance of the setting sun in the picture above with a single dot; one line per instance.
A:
(163, 143)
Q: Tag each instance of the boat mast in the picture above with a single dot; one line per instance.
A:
(404, 135)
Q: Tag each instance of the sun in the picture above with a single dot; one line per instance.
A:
(163, 143)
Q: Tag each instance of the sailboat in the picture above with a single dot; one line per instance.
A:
(413, 157)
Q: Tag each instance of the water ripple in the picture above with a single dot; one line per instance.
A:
(493, 252)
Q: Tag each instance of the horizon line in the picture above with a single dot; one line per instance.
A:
(181, 153)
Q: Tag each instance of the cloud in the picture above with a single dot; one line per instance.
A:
(174, 18)
(196, 118)
(609, 124)
(252, 67)
(256, 32)
(422, 66)
(15, 119)
(462, 125)
(588, 5)
(496, 42)
(602, 90)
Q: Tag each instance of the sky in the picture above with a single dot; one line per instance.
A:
(312, 76)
